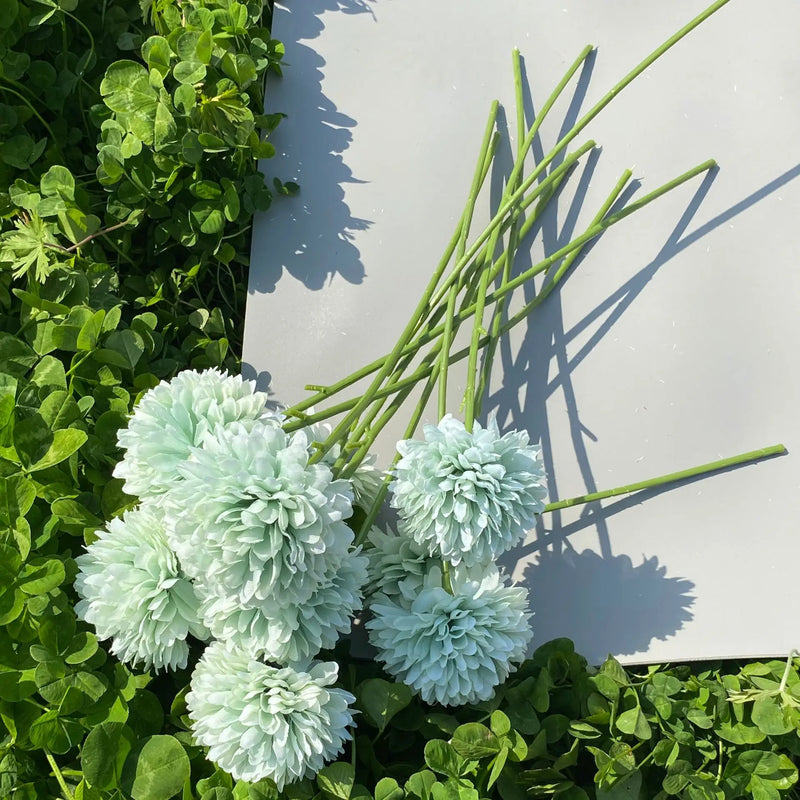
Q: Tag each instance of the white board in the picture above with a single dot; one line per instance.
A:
(674, 342)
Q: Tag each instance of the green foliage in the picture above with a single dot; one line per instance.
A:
(128, 180)
(104, 291)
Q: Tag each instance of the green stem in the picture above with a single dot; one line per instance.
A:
(53, 139)
(743, 458)
(447, 584)
(477, 181)
(787, 669)
(474, 346)
(419, 314)
(58, 776)
(380, 496)
(423, 372)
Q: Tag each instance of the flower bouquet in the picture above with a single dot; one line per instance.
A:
(256, 536)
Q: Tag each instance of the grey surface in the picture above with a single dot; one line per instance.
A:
(672, 344)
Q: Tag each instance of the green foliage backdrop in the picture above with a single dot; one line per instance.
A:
(128, 145)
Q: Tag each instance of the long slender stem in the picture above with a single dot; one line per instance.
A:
(58, 776)
(743, 458)
(461, 247)
(421, 373)
(372, 514)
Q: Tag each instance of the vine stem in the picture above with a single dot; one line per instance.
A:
(58, 776)
(788, 669)
(714, 466)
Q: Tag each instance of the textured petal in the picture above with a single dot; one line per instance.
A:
(468, 496)
(134, 593)
(453, 648)
(173, 417)
(260, 721)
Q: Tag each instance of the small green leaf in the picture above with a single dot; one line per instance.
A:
(104, 752)
(156, 769)
(41, 575)
(189, 72)
(65, 443)
(633, 722)
(474, 741)
(499, 723)
(336, 780)
(381, 700)
(90, 331)
(185, 98)
(388, 789)
(769, 717)
(58, 181)
(16, 497)
(441, 757)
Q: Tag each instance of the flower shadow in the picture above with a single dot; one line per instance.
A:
(607, 603)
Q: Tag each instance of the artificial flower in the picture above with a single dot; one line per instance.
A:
(173, 417)
(254, 519)
(286, 634)
(453, 648)
(260, 721)
(394, 560)
(468, 495)
(134, 593)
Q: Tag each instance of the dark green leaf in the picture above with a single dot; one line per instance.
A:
(381, 700)
(104, 752)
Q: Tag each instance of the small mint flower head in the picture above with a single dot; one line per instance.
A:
(133, 592)
(173, 417)
(468, 496)
(453, 648)
(260, 721)
(254, 520)
(295, 633)
(395, 560)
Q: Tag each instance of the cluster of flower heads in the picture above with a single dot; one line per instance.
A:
(240, 542)
(239, 539)
(444, 618)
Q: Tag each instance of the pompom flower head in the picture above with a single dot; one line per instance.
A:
(453, 648)
(394, 559)
(468, 495)
(261, 722)
(294, 633)
(134, 594)
(173, 417)
(254, 519)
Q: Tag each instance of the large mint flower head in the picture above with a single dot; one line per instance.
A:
(295, 633)
(261, 722)
(134, 593)
(173, 417)
(453, 648)
(468, 496)
(253, 519)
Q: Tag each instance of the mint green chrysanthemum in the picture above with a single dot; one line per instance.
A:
(134, 593)
(395, 559)
(295, 633)
(173, 417)
(261, 722)
(453, 649)
(468, 496)
(253, 519)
